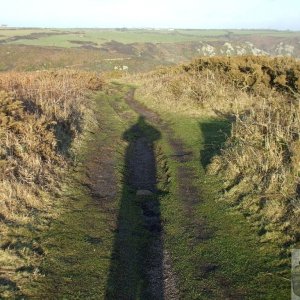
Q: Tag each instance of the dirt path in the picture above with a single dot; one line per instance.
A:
(144, 255)
(211, 261)
(121, 237)
(142, 177)
(186, 191)
(119, 227)
(185, 175)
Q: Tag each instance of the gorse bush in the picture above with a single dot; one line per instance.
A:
(254, 73)
(41, 115)
(38, 111)
(27, 157)
(58, 94)
(261, 158)
(260, 162)
(28, 138)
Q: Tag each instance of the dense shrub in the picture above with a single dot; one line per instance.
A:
(260, 162)
(38, 110)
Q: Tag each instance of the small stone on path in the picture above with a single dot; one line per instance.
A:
(144, 193)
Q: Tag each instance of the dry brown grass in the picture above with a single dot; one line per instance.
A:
(260, 163)
(38, 111)
(41, 114)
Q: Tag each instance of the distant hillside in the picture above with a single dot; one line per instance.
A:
(134, 50)
(254, 44)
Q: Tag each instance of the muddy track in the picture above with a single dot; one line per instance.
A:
(187, 192)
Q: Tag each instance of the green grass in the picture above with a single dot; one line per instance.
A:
(50, 41)
(7, 33)
(75, 268)
(125, 277)
(103, 36)
(79, 243)
(100, 36)
(137, 36)
(244, 266)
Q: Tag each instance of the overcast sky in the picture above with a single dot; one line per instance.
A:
(270, 14)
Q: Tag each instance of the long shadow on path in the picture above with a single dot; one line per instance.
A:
(136, 270)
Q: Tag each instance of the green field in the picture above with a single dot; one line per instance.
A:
(8, 33)
(97, 37)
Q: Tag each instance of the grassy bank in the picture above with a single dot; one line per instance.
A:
(216, 252)
(258, 163)
(79, 243)
(42, 115)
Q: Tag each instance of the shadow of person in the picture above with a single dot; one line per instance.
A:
(140, 160)
(136, 270)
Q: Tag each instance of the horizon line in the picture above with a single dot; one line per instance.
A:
(4, 26)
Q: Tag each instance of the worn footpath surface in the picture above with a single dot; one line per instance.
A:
(131, 226)
(151, 261)
(214, 252)
(109, 241)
